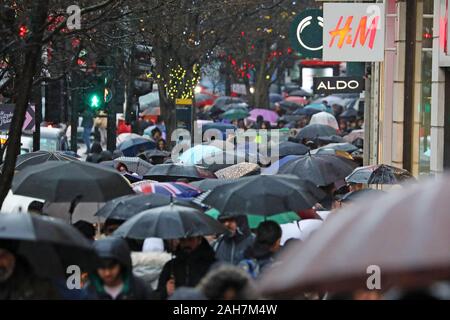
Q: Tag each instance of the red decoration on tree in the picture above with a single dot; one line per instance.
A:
(23, 30)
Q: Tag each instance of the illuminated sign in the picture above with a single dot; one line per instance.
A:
(353, 32)
(330, 85)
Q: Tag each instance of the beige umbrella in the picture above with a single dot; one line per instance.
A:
(238, 170)
(404, 233)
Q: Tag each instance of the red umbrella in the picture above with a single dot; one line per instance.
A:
(298, 100)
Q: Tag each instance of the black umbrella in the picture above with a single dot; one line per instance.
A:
(227, 159)
(123, 208)
(330, 139)
(68, 181)
(346, 147)
(379, 174)
(38, 157)
(156, 153)
(313, 131)
(289, 105)
(173, 172)
(169, 222)
(349, 113)
(209, 184)
(291, 148)
(264, 195)
(49, 245)
(321, 169)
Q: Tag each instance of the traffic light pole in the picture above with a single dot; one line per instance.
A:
(111, 130)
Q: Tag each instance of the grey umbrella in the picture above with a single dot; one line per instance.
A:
(49, 245)
(68, 181)
(134, 164)
(264, 195)
(313, 131)
(38, 157)
(169, 222)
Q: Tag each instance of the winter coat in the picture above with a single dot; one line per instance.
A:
(25, 285)
(187, 269)
(147, 266)
(257, 259)
(231, 249)
(134, 288)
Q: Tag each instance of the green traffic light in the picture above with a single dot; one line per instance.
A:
(94, 101)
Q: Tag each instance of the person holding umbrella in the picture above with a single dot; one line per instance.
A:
(114, 279)
(17, 281)
(230, 246)
(193, 260)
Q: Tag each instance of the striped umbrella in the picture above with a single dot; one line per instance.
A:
(38, 157)
(174, 189)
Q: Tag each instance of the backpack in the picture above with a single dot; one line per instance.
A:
(251, 266)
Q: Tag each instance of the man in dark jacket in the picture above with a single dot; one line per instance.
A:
(193, 259)
(114, 279)
(17, 279)
(267, 244)
(230, 247)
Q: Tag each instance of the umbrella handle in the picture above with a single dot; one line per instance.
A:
(73, 204)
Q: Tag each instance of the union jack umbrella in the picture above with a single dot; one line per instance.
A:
(174, 189)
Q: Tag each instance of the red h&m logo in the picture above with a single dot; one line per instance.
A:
(346, 36)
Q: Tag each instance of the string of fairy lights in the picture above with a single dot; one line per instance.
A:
(181, 83)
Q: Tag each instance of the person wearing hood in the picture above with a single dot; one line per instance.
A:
(114, 279)
(261, 255)
(230, 246)
(194, 257)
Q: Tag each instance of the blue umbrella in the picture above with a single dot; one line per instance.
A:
(196, 154)
(275, 97)
(134, 146)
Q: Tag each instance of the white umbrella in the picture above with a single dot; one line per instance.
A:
(324, 118)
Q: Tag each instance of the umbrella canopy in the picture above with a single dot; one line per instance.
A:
(334, 152)
(290, 105)
(360, 194)
(224, 160)
(49, 245)
(379, 174)
(60, 181)
(299, 93)
(349, 113)
(235, 114)
(238, 170)
(134, 164)
(287, 148)
(209, 184)
(355, 134)
(221, 127)
(196, 154)
(155, 153)
(403, 232)
(325, 118)
(264, 195)
(172, 189)
(123, 208)
(169, 222)
(330, 139)
(275, 97)
(321, 169)
(38, 157)
(239, 106)
(255, 220)
(331, 100)
(312, 131)
(126, 136)
(306, 112)
(316, 107)
(171, 172)
(274, 167)
(297, 100)
(267, 114)
(134, 146)
(347, 147)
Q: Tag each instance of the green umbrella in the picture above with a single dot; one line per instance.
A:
(255, 220)
(235, 114)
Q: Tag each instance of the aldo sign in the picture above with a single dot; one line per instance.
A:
(306, 33)
(353, 32)
(330, 85)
